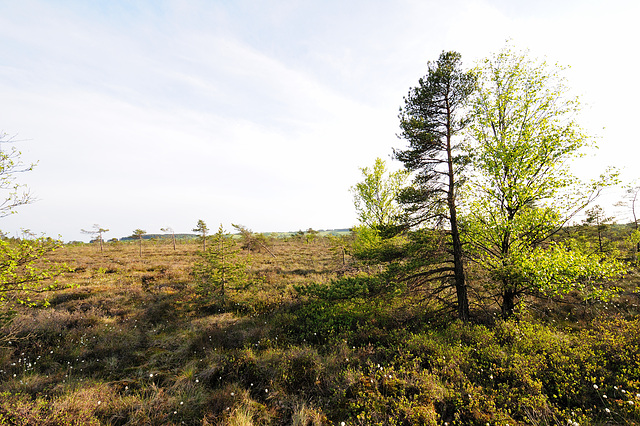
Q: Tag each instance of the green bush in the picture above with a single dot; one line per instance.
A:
(345, 288)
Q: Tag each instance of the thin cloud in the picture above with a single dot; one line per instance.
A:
(165, 113)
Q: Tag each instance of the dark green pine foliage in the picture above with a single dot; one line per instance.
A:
(432, 115)
(219, 268)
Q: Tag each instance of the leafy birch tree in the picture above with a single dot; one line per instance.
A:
(433, 115)
(524, 133)
(24, 267)
(376, 201)
(375, 197)
(11, 166)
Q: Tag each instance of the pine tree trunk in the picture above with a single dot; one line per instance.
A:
(460, 281)
(224, 278)
(458, 267)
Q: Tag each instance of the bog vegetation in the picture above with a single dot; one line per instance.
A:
(470, 293)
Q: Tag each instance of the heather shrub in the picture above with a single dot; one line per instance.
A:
(344, 288)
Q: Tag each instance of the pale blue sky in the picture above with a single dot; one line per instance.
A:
(147, 114)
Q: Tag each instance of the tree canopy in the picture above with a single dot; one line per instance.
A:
(24, 268)
(433, 114)
(375, 197)
(524, 134)
(489, 153)
(203, 230)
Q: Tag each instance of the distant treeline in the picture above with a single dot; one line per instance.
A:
(160, 236)
(321, 232)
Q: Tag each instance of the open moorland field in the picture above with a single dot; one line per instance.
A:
(130, 339)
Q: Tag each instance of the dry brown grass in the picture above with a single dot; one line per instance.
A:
(163, 269)
(127, 341)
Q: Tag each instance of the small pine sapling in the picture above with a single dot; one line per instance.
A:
(219, 268)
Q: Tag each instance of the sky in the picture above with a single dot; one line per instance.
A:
(157, 113)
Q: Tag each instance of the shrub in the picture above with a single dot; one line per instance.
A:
(345, 288)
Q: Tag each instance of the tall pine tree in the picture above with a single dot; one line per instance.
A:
(432, 115)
